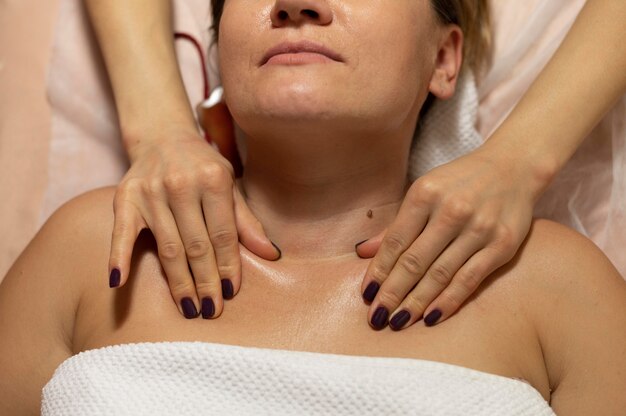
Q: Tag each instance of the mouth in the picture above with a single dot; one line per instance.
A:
(299, 53)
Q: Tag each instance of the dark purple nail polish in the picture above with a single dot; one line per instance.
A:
(280, 253)
(432, 317)
(399, 319)
(370, 291)
(208, 308)
(189, 308)
(114, 278)
(227, 289)
(379, 319)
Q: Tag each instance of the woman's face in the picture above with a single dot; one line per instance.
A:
(366, 64)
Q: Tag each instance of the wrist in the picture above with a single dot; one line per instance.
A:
(535, 167)
(139, 137)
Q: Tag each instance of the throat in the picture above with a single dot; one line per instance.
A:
(324, 237)
(320, 206)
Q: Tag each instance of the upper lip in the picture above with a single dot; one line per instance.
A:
(301, 46)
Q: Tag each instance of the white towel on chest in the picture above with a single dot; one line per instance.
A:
(183, 378)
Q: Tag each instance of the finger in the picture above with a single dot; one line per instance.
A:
(410, 268)
(173, 259)
(436, 279)
(368, 248)
(464, 283)
(251, 232)
(127, 225)
(220, 222)
(397, 239)
(199, 253)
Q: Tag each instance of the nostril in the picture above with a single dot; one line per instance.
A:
(283, 15)
(310, 13)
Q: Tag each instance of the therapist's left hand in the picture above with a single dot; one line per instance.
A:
(456, 225)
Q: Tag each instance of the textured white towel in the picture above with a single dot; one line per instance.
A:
(448, 130)
(183, 378)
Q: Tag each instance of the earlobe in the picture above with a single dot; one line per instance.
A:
(448, 63)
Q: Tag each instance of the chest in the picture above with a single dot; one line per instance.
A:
(314, 308)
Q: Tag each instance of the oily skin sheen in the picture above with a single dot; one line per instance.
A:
(311, 181)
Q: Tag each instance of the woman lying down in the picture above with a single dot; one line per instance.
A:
(325, 145)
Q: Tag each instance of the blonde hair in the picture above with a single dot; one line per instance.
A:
(472, 16)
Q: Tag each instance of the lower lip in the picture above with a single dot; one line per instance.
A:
(301, 58)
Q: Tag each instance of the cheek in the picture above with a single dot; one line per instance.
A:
(235, 50)
(397, 68)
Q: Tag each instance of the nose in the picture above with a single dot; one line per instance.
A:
(298, 12)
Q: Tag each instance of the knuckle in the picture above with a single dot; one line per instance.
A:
(153, 189)
(197, 248)
(427, 190)
(182, 288)
(456, 211)
(128, 188)
(211, 288)
(440, 274)
(176, 183)
(506, 239)
(121, 229)
(170, 250)
(451, 300)
(389, 297)
(224, 238)
(469, 280)
(394, 243)
(412, 264)
(215, 177)
(483, 225)
(378, 275)
(228, 271)
(415, 303)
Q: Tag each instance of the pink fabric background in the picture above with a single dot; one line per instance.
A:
(26, 28)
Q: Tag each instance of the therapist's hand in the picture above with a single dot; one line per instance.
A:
(184, 191)
(456, 225)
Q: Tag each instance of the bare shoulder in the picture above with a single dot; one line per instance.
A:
(41, 293)
(577, 301)
(561, 261)
(89, 212)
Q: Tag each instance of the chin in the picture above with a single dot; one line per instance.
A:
(298, 101)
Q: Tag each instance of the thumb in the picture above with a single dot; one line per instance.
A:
(251, 232)
(369, 248)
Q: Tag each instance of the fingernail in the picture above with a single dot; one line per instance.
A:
(371, 291)
(189, 308)
(356, 246)
(380, 317)
(227, 289)
(399, 319)
(432, 317)
(280, 253)
(114, 278)
(208, 308)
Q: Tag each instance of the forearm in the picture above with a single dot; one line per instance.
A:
(136, 39)
(578, 86)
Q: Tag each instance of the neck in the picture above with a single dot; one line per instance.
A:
(316, 201)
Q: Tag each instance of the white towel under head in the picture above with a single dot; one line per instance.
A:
(192, 378)
(448, 130)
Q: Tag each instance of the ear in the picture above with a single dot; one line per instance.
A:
(448, 63)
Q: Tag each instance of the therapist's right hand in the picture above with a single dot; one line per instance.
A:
(184, 191)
